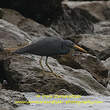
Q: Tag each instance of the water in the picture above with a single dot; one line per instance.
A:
(103, 105)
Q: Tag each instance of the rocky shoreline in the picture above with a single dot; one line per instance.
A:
(85, 23)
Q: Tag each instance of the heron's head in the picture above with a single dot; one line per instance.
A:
(70, 44)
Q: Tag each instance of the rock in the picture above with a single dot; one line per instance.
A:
(72, 22)
(94, 66)
(0, 86)
(11, 36)
(1, 13)
(12, 16)
(86, 80)
(1, 47)
(87, 62)
(102, 27)
(103, 55)
(97, 42)
(97, 9)
(8, 98)
(31, 27)
(35, 9)
(107, 63)
(26, 75)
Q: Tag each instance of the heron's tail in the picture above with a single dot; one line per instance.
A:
(19, 50)
(15, 50)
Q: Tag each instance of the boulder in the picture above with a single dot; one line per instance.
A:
(102, 27)
(29, 26)
(26, 74)
(8, 98)
(35, 9)
(96, 42)
(72, 22)
(86, 62)
(11, 36)
(99, 10)
(107, 65)
(105, 54)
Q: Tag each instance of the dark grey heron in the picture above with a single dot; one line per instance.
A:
(49, 46)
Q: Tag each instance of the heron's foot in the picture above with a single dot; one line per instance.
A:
(58, 76)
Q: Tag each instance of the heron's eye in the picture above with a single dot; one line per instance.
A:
(72, 43)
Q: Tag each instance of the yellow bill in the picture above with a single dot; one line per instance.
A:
(81, 49)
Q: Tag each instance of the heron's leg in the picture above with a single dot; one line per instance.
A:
(40, 62)
(50, 68)
(48, 65)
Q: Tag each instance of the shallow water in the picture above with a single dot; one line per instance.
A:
(102, 104)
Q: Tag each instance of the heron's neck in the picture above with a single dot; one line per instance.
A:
(65, 49)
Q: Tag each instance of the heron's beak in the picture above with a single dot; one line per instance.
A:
(79, 48)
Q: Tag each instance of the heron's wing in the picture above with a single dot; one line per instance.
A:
(44, 47)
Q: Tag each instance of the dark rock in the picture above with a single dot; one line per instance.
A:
(1, 14)
(42, 11)
(72, 21)
(107, 13)
(8, 98)
(0, 86)
(1, 47)
(103, 55)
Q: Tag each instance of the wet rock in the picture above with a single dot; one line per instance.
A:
(8, 98)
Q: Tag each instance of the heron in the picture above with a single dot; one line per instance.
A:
(49, 46)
